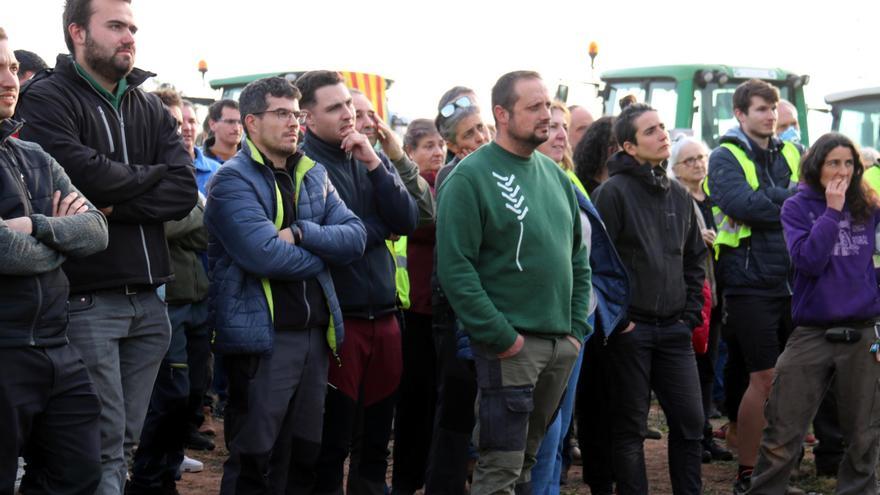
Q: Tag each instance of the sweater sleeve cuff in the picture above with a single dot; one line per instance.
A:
(41, 229)
(580, 330)
(835, 215)
(504, 342)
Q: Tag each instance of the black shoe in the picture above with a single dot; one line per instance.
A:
(707, 457)
(198, 441)
(742, 484)
(653, 434)
(717, 452)
(606, 489)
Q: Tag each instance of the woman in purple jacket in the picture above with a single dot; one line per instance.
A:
(829, 229)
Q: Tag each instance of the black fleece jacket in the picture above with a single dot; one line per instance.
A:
(652, 223)
(366, 288)
(130, 158)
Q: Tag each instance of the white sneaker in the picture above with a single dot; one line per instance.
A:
(19, 474)
(190, 465)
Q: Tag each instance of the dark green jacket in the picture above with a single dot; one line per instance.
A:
(187, 239)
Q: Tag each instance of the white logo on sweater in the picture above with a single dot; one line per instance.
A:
(514, 201)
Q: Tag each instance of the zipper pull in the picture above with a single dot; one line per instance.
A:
(24, 184)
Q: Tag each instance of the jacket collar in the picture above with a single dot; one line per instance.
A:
(323, 151)
(250, 150)
(622, 163)
(202, 162)
(8, 127)
(738, 137)
(64, 65)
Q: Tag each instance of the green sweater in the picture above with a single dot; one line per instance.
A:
(509, 251)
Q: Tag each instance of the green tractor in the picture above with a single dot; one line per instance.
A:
(856, 113)
(698, 99)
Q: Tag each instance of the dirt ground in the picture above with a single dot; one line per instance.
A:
(717, 476)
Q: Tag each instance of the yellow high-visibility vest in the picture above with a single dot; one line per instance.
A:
(872, 177)
(731, 233)
(401, 275)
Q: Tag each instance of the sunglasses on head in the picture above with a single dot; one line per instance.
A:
(451, 107)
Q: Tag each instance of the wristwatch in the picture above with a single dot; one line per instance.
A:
(297, 234)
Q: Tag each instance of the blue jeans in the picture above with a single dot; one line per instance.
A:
(548, 468)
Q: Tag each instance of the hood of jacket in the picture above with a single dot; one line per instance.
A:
(8, 128)
(738, 137)
(654, 178)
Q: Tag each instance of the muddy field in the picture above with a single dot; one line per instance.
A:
(717, 477)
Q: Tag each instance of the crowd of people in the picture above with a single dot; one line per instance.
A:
(496, 293)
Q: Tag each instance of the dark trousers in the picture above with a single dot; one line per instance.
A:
(198, 358)
(416, 402)
(659, 358)
(826, 425)
(706, 368)
(594, 414)
(160, 450)
(273, 419)
(370, 374)
(49, 412)
(454, 416)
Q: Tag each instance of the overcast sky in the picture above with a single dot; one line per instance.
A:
(427, 47)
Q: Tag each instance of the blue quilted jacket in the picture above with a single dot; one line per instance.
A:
(245, 252)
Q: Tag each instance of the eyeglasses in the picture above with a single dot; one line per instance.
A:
(450, 108)
(692, 161)
(284, 114)
(231, 121)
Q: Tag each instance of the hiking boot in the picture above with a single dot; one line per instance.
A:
(717, 452)
(198, 441)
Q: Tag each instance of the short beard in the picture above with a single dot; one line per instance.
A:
(106, 67)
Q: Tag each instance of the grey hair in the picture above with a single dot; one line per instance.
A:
(678, 146)
(448, 126)
(869, 156)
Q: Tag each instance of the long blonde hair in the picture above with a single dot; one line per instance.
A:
(567, 163)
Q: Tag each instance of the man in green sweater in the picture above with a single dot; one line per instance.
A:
(513, 265)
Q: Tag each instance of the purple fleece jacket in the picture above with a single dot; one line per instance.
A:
(834, 276)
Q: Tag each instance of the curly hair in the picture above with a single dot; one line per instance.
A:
(591, 152)
(860, 198)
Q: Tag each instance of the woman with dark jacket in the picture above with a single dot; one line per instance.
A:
(829, 228)
(417, 395)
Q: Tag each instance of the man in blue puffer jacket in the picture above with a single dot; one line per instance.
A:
(275, 223)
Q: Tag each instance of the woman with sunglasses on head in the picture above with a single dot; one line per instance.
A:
(829, 228)
(689, 158)
(461, 125)
(451, 456)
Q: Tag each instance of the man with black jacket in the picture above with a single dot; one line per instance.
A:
(652, 223)
(49, 408)
(371, 353)
(751, 174)
(121, 148)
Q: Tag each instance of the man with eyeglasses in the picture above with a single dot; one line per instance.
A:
(276, 225)
(371, 359)
(224, 121)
